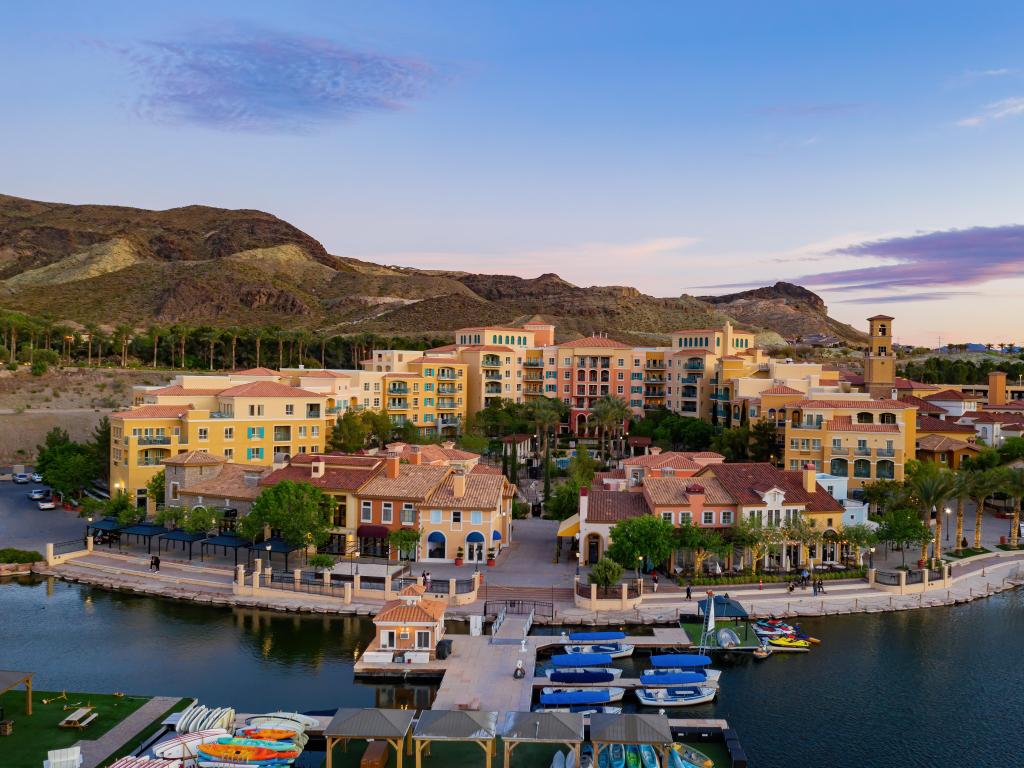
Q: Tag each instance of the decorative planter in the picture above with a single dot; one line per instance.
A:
(490, 562)
(458, 561)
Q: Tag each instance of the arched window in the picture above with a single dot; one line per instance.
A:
(862, 468)
(885, 470)
(436, 545)
(887, 418)
(839, 467)
(865, 417)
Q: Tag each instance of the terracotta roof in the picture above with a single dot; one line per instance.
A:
(154, 412)
(991, 417)
(606, 506)
(257, 372)
(780, 389)
(482, 492)
(267, 389)
(438, 360)
(615, 474)
(898, 382)
(414, 482)
(595, 341)
(432, 453)
(351, 460)
(692, 353)
(229, 483)
(445, 348)
(881, 317)
(322, 374)
(936, 443)
(673, 491)
(484, 469)
(932, 424)
(424, 610)
(341, 473)
(747, 481)
(195, 459)
(950, 396)
(670, 459)
(847, 424)
(923, 406)
(1016, 405)
(180, 391)
(487, 348)
(862, 405)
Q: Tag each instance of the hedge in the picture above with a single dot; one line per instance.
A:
(11, 555)
(752, 578)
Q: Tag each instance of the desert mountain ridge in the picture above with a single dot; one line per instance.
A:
(201, 265)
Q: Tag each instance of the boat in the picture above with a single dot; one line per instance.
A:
(682, 756)
(582, 709)
(276, 746)
(593, 637)
(687, 696)
(648, 757)
(763, 651)
(587, 756)
(558, 761)
(727, 638)
(632, 756)
(789, 644)
(683, 662)
(570, 759)
(184, 745)
(305, 721)
(618, 756)
(584, 675)
(569, 696)
(578, 660)
(269, 734)
(243, 753)
(665, 679)
(615, 650)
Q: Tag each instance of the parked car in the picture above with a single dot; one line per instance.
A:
(36, 477)
(39, 493)
(21, 478)
(47, 504)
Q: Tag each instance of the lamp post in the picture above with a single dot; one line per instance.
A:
(948, 510)
(639, 565)
(88, 525)
(871, 558)
(578, 556)
(268, 553)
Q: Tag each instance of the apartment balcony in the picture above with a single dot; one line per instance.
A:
(885, 453)
(694, 367)
(334, 410)
(836, 451)
(654, 379)
(490, 361)
(654, 365)
(446, 389)
(282, 434)
(312, 411)
(535, 363)
(492, 376)
(535, 389)
(805, 426)
(534, 376)
(446, 404)
(153, 440)
(862, 451)
(689, 379)
(723, 396)
(221, 415)
(446, 374)
(398, 405)
(492, 389)
(398, 389)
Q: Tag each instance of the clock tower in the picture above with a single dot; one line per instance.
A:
(880, 361)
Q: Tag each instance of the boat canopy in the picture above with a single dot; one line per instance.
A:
(595, 637)
(584, 676)
(594, 696)
(581, 659)
(674, 678)
(680, 660)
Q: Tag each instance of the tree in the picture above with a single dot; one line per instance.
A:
(764, 441)
(123, 335)
(66, 466)
(201, 519)
(702, 542)
(349, 433)
(300, 512)
(931, 486)
(404, 539)
(860, 537)
(960, 491)
(605, 573)
(761, 540)
(901, 526)
(564, 502)
(983, 484)
(320, 562)
(1013, 484)
(100, 447)
(647, 536)
(609, 413)
(156, 486)
(170, 516)
(546, 414)
(800, 532)
(883, 493)
(379, 426)
(155, 332)
(733, 443)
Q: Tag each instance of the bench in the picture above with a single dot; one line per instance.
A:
(64, 758)
(79, 718)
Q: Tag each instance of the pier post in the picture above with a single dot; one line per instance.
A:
(357, 584)
(266, 575)
(593, 596)
(871, 577)
(925, 579)
(326, 576)
(903, 581)
(88, 543)
(49, 553)
(624, 597)
(257, 572)
(297, 576)
(238, 587)
(947, 575)
(451, 591)
(348, 594)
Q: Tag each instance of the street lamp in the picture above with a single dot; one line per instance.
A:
(871, 558)
(948, 510)
(88, 520)
(268, 552)
(578, 556)
(639, 565)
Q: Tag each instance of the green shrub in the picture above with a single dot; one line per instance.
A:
(11, 555)
(39, 367)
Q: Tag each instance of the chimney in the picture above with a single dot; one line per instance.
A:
(415, 455)
(997, 388)
(391, 465)
(655, 450)
(448, 445)
(317, 467)
(695, 493)
(584, 502)
(810, 478)
(458, 482)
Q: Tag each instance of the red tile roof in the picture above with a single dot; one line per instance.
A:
(178, 390)
(232, 482)
(154, 412)
(898, 382)
(937, 443)
(923, 406)
(676, 491)
(862, 405)
(425, 610)
(267, 389)
(484, 469)
(747, 481)
(322, 374)
(932, 424)
(846, 424)
(606, 506)
(335, 478)
(483, 492)
(670, 459)
(780, 389)
(195, 459)
(257, 372)
(595, 341)
(950, 396)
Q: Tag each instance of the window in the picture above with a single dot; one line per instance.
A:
(837, 442)
(476, 517)
(726, 517)
(174, 491)
(255, 410)
(667, 517)
(408, 514)
(422, 638)
(229, 453)
(254, 453)
(386, 512)
(204, 433)
(366, 512)
(685, 518)
(435, 516)
(709, 517)
(229, 433)
(302, 431)
(456, 518)
(289, 409)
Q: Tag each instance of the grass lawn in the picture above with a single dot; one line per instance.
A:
(747, 637)
(34, 736)
(1008, 548)
(965, 552)
(147, 732)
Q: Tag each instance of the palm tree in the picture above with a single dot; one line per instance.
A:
(93, 331)
(233, 333)
(546, 413)
(181, 332)
(609, 413)
(961, 490)
(155, 332)
(257, 334)
(123, 335)
(984, 483)
(1013, 484)
(931, 487)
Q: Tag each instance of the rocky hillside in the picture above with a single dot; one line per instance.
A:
(201, 265)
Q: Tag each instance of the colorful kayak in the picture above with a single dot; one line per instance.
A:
(276, 746)
(185, 744)
(632, 757)
(789, 644)
(648, 756)
(269, 734)
(244, 753)
(618, 756)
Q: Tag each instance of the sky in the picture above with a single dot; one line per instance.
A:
(869, 151)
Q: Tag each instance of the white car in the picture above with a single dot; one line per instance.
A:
(39, 493)
(21, 478)
(47, 504)
(36, 477)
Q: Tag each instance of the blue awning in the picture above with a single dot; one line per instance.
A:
(179, 535)
(725, 608)
(106, 524)
(595, 696)
(596, 637)
(680, 660)
(675, 678)
(475, 537)
(228, 540)
(436, 537)
(495, 535)
(581, 659)
(144, 529)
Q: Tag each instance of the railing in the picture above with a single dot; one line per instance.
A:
(372, 582)
(886, 452)
(69, 546)
(446, 404)
(915, 577)
(583, 590)
(310, 582)
(155, 440)
(694, 367)
(221, 415)
(719, 395)
(836, 451)
(533, 363)
(518, 608)
(400, 583)
(446, 376)
(689, 379)
(862, 451)
(936, 574)
(402, 390)
(889, 578)
(446, 389)
(464, 586)
(490, 376)
(806, 426)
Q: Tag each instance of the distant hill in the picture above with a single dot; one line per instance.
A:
(202, 265)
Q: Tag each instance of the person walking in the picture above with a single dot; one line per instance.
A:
(156, 563)
(814, 589)
(152, 562)
(654, 578)
(689, 592)
(821, 587)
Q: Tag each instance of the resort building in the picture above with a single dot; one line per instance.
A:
(413, 623)
(468, 515)
(199, 478)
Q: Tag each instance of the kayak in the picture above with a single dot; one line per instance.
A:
(648, 756)
(789, 644)
(244, 753)
(618, 756)
(269, 734)
(185, 745)
(632, 757)
(274, 746)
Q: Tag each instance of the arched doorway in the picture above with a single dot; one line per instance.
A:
(593, 548)
(475, 547)
(581, 424)
(436, 549)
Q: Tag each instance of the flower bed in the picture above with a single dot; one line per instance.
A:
(771, 578)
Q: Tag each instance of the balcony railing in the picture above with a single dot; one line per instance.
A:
(155, 440)
(838, 451)
(806, 426)
(398, 405)
(221, 415)
(490, 361)
(886, 453)
(446, 389)
(491, 376)
(446, 375)
(533, 363)
(398, 389)
(446, 404)
(862, 451)
(720, 396)
(689, 379)
(694, 366)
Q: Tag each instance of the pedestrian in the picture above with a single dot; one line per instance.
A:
(814, 589)
(821, 587)
(689, 593)
(156, 563)
(426, 580)
(654, 578)
(152, 562)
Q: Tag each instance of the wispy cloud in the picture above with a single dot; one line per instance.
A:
(997, 110)
(821, 109)
(257, 80)
(904, 298)
(955, 257)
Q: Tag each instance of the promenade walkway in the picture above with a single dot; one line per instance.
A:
(94, 751)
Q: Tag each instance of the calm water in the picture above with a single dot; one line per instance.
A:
(930, 688)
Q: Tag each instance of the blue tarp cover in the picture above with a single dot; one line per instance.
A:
(681, 660)
(595, 696)
(596, 637)
(581, 660)
(675, 678)
(581, 677)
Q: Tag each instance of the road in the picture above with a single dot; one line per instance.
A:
(24, 526)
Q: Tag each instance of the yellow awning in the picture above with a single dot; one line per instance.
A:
(570, 526)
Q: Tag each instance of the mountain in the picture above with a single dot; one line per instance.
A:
(201, 265)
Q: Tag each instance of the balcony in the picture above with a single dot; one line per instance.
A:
(839, 451)
(221, 415)
(446, 404)
(492, 388)
(492, 376)
(862, 451)
(806, 426)
(694, 366)
(655, 365)
(446, 389)
(154, 440)
(535, 363)
(282, 434)
(398, 389)
(534, 376)
(649, 379)
(723, 396)
(689, 379)
(398, 404)
(490, 361)
(446, 374)
(312, 411)
(886, 453)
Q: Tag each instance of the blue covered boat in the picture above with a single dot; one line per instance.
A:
(570, 696)
(674, 679)
(614, 649)
(584, 675)
(595, 637)
(581, 660)
(680, 660)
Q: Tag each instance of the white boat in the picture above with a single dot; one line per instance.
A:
(570, 759)
(189, 722)
(305, 721)
(712, 675)
(595, 674)
(184, 745)
(558, 761)
(615, 650)
(676, 697)
(582, 695)
(582, 709)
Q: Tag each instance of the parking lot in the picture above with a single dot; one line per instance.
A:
(24, 526)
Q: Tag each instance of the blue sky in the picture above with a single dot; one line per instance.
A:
(871, 151)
